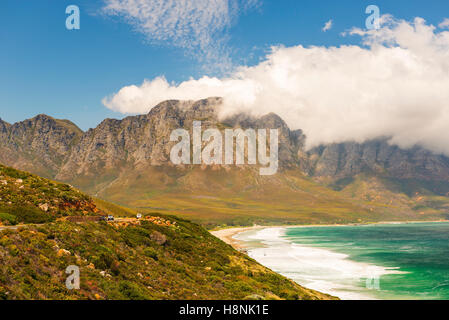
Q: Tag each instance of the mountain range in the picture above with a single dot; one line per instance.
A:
(128, 162)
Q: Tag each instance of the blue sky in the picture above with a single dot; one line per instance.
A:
(45, 68)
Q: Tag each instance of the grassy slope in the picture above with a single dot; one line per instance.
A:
(191, 264)
(412, 199)
(214, 197)
(232, 197)
(159, 258)
(27, 198)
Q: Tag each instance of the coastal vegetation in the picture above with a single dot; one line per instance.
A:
(156, 257)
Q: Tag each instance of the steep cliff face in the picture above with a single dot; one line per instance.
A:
(290, 142)
(4, 130)
(136, 141)
(141, 141)
(40, 144)
(377, 156)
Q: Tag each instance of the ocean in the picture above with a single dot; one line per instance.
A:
(382, 261)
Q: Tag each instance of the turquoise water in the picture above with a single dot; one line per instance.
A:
(420, 251)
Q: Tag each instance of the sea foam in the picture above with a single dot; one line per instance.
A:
(315, 268)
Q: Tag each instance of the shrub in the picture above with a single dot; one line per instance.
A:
(150, 252)
(158, 237)
(28, 214)
(103, 261)
(131, 291)
(13, 173)
(8, 217)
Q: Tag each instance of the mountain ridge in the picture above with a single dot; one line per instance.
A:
(127, 161)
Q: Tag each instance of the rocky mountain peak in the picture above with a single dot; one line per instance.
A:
(59, 149)
(42, 137)
(187, 110)
(4, 126)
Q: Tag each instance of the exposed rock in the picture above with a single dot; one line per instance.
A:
(63, 252)
(254, 297)
(350, 158)
(44, 207)
(105, 274)
(39, 144)
(158, 237)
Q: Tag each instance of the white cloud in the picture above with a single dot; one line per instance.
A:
(396, 85)
(444, 24)
(327, 26)
(198, 26)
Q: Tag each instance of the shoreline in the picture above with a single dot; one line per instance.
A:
(269, 258)
(227, 234)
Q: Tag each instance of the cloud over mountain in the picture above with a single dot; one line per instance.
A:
(396, 84)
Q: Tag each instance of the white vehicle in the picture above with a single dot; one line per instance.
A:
(139, 215)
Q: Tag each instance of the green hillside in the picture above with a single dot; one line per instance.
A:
(239, 196)
(27, 198)
(157, 257)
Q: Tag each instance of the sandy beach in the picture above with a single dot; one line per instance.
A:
(317, 268)
(226, 235)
